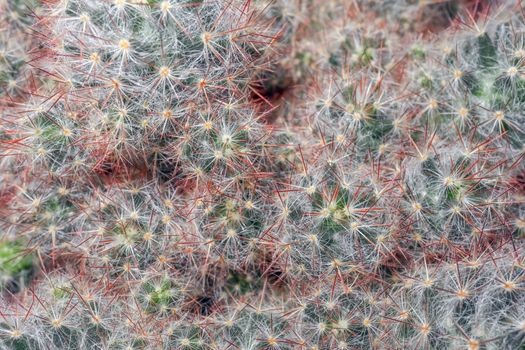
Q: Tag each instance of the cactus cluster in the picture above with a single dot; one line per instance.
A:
(252, 174)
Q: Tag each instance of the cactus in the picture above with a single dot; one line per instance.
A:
(216, 174)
